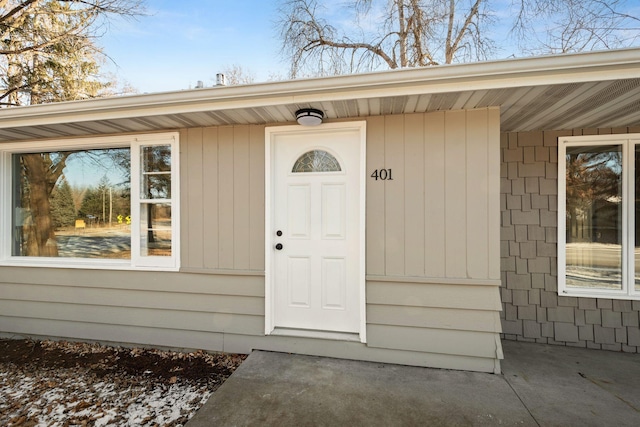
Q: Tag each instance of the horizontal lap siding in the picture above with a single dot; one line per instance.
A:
(142, 317)
(441, 341)
(454, 319)
(174, 338)
(151, 282)
(356, 351)
(446, 295)
(137, 299)
(433, 318)
(131, 307)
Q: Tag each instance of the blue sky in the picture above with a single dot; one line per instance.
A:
(181, 42)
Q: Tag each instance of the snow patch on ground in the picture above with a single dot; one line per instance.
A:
(68, 396)
(61, 398)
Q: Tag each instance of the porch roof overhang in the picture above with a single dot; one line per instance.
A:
(585, 90)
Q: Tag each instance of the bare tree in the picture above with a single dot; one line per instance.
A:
(47, 54)
(553, 26)
(236, 75)
(364, 35)
(391, 34)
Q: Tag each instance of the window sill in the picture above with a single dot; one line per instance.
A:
(601, 295)
(81, 264)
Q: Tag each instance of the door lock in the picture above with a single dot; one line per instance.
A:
(279, 233)
(279, 246)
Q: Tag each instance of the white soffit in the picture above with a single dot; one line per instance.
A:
(587, 90)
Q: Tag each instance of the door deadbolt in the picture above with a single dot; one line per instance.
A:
(279, 233)
(279, 246)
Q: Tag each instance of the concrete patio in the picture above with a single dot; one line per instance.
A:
(540, 385)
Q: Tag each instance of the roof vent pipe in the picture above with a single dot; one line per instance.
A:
(199, 84)
(221, 80)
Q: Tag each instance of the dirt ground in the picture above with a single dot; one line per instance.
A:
(99, 385)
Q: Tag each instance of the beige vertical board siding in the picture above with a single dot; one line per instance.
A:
(223, 202)
(394, 196)
(210, 198)
(256, 197)
(375, 238)
(225, 197)
(184, 200)
(477, 192)
(434, 195)
(241, 230)
(493, 162)
(455, 194)
(436, 217)
(436, 296)
(414, 218)
(194, 217)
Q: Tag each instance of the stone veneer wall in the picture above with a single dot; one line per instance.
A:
(532, 309)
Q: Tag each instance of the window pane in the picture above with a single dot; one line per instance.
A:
(156, 172)
(316, 161)
(156, 185)
(594, 217)
(73, 204)
(156, 158)
(155, 229)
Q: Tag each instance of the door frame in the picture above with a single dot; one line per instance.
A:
(270, 136)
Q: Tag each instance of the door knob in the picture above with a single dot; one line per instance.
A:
(279, 233)
(279, 246)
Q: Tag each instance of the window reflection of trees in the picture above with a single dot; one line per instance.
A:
(594, 216)
(46, 207)
(156, 190)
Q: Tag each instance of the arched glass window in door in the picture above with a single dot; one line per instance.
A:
(316, 161)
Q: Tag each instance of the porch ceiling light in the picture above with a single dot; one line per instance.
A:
(309, 116)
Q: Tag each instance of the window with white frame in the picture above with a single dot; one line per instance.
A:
(105, 202)
(598, 216)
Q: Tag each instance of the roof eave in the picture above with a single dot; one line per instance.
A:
(523, 72)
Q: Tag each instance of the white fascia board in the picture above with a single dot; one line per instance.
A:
(511, 73)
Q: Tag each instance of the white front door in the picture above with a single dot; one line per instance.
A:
(315, 229)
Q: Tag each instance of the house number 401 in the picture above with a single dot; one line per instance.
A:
(382, 174)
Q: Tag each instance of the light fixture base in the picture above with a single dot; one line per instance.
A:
(309, 116)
